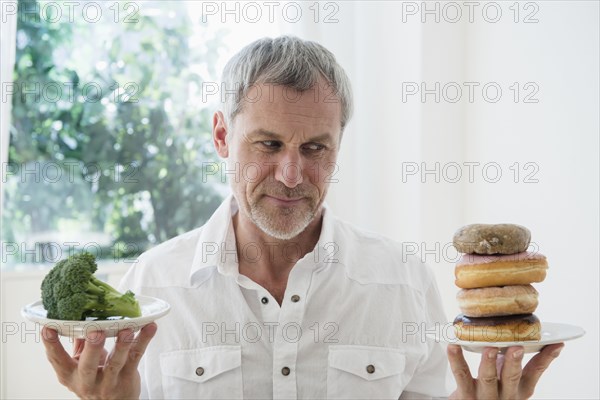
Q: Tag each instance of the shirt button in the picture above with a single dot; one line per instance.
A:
(199, 371)
(295, 298)
(264, 300)
(285, 371)
(370, 368)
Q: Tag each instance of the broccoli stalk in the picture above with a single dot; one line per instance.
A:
(104, 301)
(70, 291)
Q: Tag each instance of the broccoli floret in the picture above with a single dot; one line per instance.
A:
(70, 291)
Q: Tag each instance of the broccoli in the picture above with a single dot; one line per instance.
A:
(70, 291)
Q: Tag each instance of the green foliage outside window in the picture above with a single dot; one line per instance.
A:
(114, 138)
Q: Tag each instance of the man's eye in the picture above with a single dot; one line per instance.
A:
(271, 144)
(314, 147)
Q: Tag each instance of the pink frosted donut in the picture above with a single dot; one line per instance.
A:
(474, 271)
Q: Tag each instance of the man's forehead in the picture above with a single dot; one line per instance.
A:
(285, 123)
(261, 133)
(283, 111)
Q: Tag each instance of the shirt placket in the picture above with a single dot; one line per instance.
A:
(289, 332)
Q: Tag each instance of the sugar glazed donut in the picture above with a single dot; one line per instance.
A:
(492, 239)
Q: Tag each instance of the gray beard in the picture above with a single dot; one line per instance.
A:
(285, 231)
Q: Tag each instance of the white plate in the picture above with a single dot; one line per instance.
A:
(552, 332)
(152, 309)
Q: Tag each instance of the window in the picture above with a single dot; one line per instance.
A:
(110, 136)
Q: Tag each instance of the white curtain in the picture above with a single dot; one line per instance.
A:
(388, 136)
(8, 29)
(547, 151)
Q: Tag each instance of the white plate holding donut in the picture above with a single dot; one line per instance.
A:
(552, 332)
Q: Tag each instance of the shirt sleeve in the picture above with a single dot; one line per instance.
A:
(431, 377)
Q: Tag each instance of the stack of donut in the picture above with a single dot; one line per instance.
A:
(495, 274)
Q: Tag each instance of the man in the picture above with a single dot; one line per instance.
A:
(274, 297)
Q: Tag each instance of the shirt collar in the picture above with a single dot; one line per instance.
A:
(217, 246)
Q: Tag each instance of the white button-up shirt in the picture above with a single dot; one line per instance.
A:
(352, 323)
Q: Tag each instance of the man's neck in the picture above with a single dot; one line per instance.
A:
(267, 260)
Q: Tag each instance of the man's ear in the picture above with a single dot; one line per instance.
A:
(220, 132)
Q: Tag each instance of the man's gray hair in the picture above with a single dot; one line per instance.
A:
(288, 61)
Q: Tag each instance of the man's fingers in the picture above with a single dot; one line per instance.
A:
(139, 346)
(510, 373)
(460, 370)
(78, 348)
(536, 367)
(90, 358)
(63, 364)
(118, 356)
(487, 386)
(499, 364)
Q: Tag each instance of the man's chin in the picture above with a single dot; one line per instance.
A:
(277, 225)
(283, 235)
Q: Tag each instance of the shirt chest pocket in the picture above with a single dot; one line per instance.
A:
(210, 373)
(365, 372)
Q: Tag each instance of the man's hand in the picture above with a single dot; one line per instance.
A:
(92, 373)
(500, 376)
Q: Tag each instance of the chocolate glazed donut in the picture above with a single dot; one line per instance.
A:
(511, 328)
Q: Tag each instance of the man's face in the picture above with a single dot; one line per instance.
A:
(283, 146)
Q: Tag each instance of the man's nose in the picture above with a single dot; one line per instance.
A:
(289, 169)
